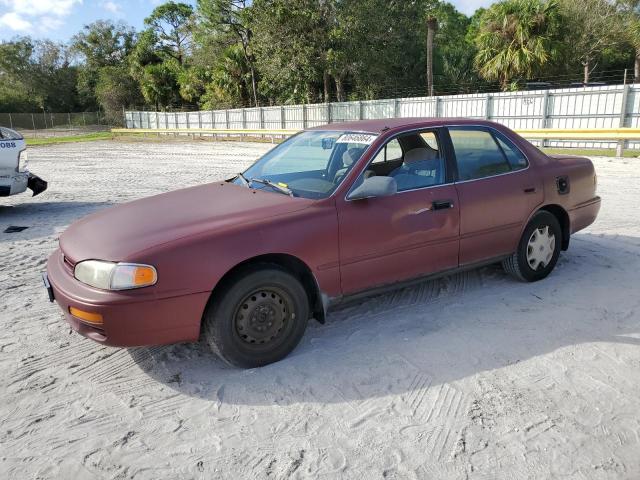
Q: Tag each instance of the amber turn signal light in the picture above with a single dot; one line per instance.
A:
(92, 318)
(144, 276)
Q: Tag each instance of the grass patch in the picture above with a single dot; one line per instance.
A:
(590, 152)
(88, 137)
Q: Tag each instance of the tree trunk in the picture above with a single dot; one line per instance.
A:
(432, 26)
(340, 89)
(636, 68)
(254, 85)
(249, 59)
(326, 81)
(585, 64)
(504, 84)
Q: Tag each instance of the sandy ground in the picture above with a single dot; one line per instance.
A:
(472, 376)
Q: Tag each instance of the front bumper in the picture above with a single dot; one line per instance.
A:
(130, 318)
(19, 182)
(13, 184)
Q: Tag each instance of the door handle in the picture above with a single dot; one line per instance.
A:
(530, 190)
(441, 204)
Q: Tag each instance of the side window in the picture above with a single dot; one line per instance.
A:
(422, 164)
(477, 153)
(391, 151)
(516, 158)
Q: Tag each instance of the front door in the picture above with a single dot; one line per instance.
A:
(409, 234)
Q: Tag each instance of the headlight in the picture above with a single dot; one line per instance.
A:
(115, 276)
(23, 161)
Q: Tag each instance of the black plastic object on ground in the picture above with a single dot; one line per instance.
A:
(14, 229)
(36, 184)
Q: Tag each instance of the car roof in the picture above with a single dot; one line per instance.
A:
(384, 124)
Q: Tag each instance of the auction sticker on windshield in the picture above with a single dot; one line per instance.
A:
(361, 138)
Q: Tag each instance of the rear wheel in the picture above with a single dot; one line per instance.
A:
(538, 249)
(257, 318)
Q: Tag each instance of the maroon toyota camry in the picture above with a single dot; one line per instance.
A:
(333, 212)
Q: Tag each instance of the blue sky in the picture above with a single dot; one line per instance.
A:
(61, 19)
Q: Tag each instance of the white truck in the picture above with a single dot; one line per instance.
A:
(14, 176)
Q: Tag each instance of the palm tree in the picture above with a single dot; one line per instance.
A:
(515, 39)
(231, 80)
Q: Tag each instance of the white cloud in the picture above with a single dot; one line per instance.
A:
(112, 7)
(13, 21)
(22, 15)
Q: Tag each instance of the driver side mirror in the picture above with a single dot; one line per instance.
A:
(374, 187)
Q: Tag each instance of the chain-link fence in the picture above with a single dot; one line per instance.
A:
(54, 124)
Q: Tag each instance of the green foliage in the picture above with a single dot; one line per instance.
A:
(233, 53)
(592, 26)
(172, 24)
(37, 75)
(100, 44)
(116, 89)
(159, 83)
(516, 39)
(230, 81)
(290, 47)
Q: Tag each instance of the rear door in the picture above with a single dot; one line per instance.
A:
(497, 192)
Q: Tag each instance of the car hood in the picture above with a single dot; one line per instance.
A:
(118, 233)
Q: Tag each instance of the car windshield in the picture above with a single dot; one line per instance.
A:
(310, 165)
(8, 134)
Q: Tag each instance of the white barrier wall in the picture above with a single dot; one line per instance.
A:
(611, 106)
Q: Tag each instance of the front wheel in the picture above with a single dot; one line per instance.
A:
(538, 249)
(257, 318)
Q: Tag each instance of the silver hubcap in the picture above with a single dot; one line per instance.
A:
(540, 248)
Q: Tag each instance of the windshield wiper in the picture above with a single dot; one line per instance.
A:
(244, 180)
(275, 186)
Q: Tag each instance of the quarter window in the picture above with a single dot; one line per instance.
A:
(477, 153)
(516, 158)
(430, 139)
(391, 151)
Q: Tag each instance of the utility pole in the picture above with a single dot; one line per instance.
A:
(432, 28)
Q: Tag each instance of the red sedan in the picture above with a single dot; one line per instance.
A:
(332, 212)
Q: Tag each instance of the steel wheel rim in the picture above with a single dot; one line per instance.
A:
(540, 248)
(263, 316)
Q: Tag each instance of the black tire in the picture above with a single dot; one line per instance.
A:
(518, 266)
(258, 317)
